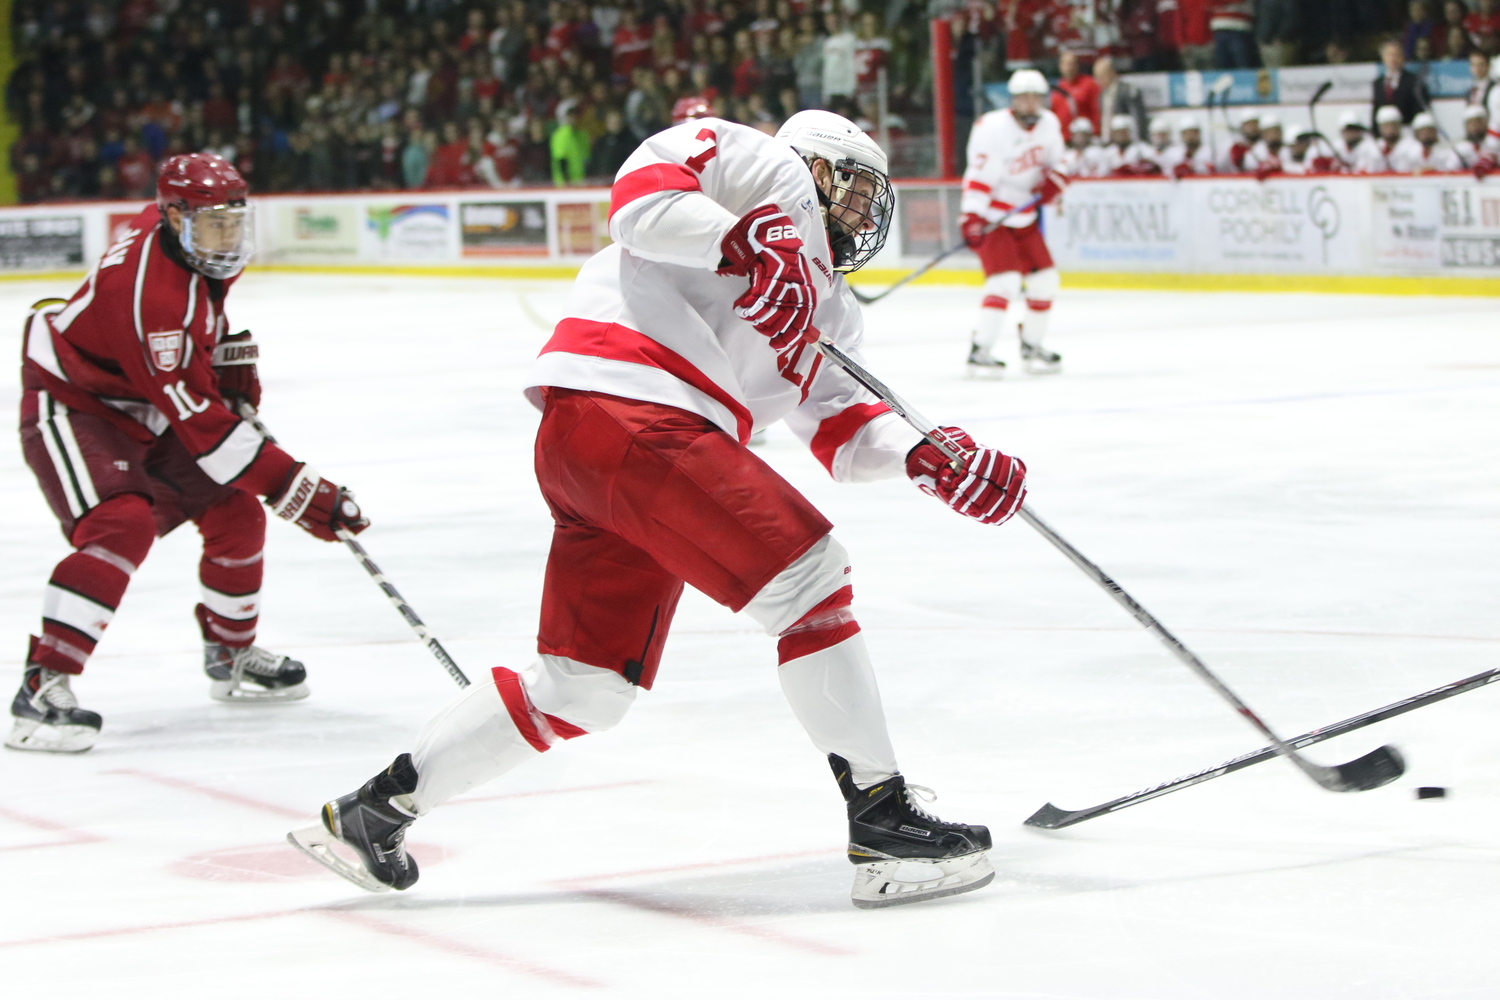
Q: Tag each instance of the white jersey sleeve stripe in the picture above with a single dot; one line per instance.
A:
(232, 455)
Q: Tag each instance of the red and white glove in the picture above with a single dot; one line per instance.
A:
(1483, 167)
(317, 505)
(234, 362)
(990, 488)
(1267, 169)
(974, 228)
(781, 299)
(1051, 187)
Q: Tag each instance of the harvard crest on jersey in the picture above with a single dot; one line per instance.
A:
(166, 349)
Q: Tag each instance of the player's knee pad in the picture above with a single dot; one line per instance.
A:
(234, 528)
(119, 532)
(1042, 286)
(1005, 286)
(575, 698)
(829, 623)
(820, 571)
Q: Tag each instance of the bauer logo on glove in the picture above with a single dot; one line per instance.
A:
(990, 487)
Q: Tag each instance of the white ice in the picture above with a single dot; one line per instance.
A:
(1303, 487)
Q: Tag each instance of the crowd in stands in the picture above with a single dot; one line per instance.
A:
(329, 95)
(1401, 136)
(332, 95)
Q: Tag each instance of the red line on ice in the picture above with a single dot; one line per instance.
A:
(214, 793)
(71, 836)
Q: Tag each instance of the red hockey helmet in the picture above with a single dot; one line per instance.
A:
(216, 223)
(688, 108)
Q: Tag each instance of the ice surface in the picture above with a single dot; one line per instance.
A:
(1303, 487)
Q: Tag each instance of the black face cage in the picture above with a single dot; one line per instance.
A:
(861, 233)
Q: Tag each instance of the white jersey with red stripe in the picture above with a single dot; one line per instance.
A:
(1007, 163)
(649, 318)
(1412, 157)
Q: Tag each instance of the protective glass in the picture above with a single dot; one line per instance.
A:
(859, 214)
(218, 242)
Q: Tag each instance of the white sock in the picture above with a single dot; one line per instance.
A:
(834, 695)
(471, 741)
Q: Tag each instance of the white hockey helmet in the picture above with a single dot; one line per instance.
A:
(1160, 125)
(1297, 130)
(1423, 120)
(1250, 116)
(1388, 114)
(1350, 120)
(859, 211)
(1475, 111)
(1028, 81)
(1270, 120)
(1122, 122)
(1081, 124)
(1189, 123)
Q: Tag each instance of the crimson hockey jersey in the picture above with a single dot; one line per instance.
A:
(649, 319)
(134, 345)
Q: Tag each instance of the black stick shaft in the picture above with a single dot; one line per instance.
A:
(934, 262)
(347, 537)
(1327, 777)
(1050, 817)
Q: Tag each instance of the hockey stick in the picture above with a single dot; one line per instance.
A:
(872, 299)
(1220, 89)
(1379, 767)
(1312, 107)
(1050, 817)
(347, 537)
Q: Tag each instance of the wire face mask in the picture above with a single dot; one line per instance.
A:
(219, 241)
(859, 213)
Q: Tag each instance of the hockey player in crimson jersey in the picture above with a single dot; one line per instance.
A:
(1015, 157)
(695, 328)
(126, 422)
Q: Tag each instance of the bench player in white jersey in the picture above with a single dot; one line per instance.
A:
(1471, 148)
(1189, 157)
(1082, 158)
(1015, 156)
(692, 330)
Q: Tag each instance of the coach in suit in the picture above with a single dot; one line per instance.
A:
(1398, 86)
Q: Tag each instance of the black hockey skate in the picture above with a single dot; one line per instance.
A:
(982, 364)
(250, 673)
(903, 852)
(1039, 360)
(47, 716)
(373, 826)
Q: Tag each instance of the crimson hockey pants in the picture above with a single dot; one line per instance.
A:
(113, 496)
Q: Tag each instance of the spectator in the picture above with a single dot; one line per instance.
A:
(136, 170)
(632, 45)
(1118, 97)
(569, 151)
(1419, 27)
(1397, 87)
(1233, 25)
(500, 168)
(535, 156)
(646, 108)
(613, 147)
(872, 52)
(446, 169)
(415, 157)
(1484, 27)
(1277, 32)
(746, 66)
(808, 63)
(1076, 94)
(1336, 52)
(1197, 45)
(838, 58)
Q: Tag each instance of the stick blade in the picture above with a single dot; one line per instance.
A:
(1380, 766)
(1049, 817)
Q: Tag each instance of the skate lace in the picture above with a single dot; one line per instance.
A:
(916, 795)
(255, 660)
(54, 691)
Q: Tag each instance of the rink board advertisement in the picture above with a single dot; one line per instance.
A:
(1359, 226)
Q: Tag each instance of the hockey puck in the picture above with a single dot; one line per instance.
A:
(1432, 792)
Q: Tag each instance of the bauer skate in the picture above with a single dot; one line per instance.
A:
(47, 716)
(1038, 360)
(904, 854)
(982, 364)
(370, 824)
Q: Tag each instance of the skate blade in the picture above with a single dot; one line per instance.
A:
(230, 691)
(892, 883)
(29, 734)
(317, 843)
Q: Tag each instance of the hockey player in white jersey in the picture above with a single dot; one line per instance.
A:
(1127, 156)
(1471, 148)
(1082, 158)
(1374, 157)
(1352, 138)
(1188, 157)
(1264, 158)
(1420, 152)
(697, 326)
(1014, 160)
(1159, 136)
